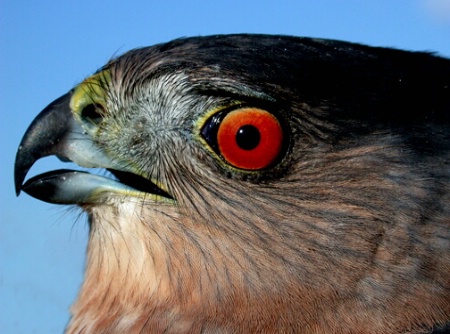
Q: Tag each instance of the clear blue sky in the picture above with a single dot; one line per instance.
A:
(46, 47)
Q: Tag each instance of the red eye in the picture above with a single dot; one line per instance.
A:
(250, 138)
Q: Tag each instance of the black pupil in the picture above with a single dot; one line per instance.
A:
(248, 137)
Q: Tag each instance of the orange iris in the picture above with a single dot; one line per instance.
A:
(250, 138)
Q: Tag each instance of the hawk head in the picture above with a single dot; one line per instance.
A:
(256, 183)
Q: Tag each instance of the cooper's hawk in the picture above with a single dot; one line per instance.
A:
(257, 184)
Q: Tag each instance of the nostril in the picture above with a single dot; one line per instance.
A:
(93, 113)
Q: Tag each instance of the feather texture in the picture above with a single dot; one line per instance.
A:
(349, 232)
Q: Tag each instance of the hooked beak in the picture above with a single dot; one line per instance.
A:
(55, 131)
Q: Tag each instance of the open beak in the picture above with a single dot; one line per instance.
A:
(55, 131)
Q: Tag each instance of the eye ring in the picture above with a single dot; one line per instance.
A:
(247, 138)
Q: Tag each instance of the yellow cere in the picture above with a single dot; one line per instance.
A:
(91, 90)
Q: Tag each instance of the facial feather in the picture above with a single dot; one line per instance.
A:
(304, 236)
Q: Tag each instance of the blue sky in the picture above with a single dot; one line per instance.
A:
(46, 47)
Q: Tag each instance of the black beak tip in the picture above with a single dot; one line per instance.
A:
(23, 163)
(18, 186)
(48, 128)
(19, 174)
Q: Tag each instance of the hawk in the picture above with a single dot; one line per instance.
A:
(256, 184)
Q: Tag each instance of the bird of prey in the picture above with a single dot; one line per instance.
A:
(256, 184)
